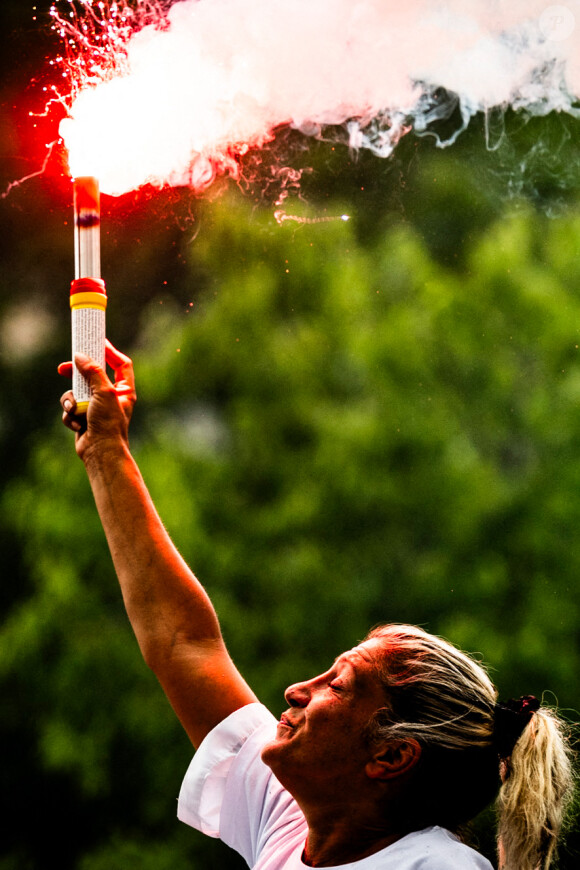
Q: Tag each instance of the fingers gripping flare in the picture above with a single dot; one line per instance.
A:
(95, 377)
(123, 368)
(111, 404)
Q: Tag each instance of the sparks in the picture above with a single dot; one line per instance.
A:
(281, 217)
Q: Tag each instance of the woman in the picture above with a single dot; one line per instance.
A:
(376, 764)
(456, 748)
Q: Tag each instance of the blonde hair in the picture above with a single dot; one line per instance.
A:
(535, 794)
(445, 700)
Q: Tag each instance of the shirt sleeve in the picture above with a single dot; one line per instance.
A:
(203, 788)
(228, 792)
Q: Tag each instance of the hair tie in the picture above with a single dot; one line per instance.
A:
(510, 720)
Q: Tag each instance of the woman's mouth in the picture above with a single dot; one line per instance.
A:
(285, 722)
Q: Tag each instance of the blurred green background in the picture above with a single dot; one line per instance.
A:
(341, 422)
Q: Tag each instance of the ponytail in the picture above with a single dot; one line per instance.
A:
(535, 795)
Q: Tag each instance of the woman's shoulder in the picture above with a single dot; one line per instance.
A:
(433, 848)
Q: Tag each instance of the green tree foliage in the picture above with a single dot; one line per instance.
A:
(343, 427)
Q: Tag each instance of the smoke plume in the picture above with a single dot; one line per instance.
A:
(195, 87)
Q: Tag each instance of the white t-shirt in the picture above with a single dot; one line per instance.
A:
(228, 792)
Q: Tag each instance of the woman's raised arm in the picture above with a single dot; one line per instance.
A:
(171, 614)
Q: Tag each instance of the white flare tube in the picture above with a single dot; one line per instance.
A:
(88, 298)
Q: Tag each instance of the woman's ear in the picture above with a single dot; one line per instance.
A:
(392, 759)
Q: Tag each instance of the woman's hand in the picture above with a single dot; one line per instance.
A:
(106, 422)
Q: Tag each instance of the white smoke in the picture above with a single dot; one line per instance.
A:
(226, 74)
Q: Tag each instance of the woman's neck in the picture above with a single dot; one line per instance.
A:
(344, 839)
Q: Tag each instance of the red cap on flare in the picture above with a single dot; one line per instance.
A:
(88, 285)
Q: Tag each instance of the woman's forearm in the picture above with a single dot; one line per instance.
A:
(164, 601)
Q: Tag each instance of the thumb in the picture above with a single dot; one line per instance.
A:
(91, 370)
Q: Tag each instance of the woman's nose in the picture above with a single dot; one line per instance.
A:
(297, 695)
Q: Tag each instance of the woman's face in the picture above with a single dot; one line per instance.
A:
(320, 747)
